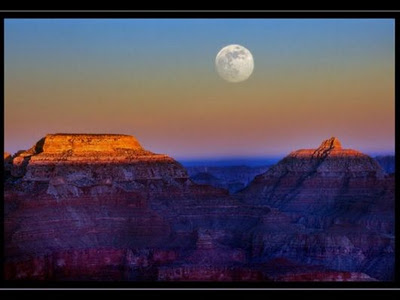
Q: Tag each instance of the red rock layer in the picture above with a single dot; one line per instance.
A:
(100, 207)
(64, 200)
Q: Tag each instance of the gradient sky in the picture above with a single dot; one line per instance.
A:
(156, 80)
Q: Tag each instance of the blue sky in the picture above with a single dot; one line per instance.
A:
(155, 79)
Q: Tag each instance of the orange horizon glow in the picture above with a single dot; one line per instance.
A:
(305, 88)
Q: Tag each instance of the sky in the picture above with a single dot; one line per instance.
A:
(155, 79)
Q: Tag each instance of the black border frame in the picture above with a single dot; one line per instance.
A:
(355, 14)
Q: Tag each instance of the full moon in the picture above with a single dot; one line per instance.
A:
(234, 63)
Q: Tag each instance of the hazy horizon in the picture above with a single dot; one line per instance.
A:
(249, 160)
(155, 79)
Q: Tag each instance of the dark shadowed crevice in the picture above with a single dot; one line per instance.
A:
(39, 146)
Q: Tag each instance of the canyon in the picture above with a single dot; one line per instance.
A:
(231, 178)
(101, 207)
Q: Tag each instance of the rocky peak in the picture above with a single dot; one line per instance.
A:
(328, 173)
(332, 143)
(329, 155)
(327, 147)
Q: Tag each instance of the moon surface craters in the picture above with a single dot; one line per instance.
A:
(234, 63)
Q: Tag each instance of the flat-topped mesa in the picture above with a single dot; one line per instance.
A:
(85, 148)
(93, 156)
(87, 143)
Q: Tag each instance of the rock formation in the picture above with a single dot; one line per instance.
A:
(317, 179)
(104, 199)
(101, 207)
(339, 208)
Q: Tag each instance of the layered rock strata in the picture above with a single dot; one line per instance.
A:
(72, 195)
(334, 207)
(101, 207)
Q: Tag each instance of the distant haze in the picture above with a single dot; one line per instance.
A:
(223, 162)
(156, 80)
